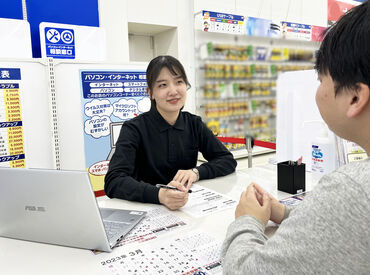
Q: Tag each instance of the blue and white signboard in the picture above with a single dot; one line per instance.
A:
(298, 31)
(60, 43)
(108, 99)
(113, 84)
(222, 22)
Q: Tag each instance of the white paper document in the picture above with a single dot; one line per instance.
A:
(203, 201)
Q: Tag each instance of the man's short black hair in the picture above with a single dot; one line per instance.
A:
(345, 50)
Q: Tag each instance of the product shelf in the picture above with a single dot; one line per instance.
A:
(236, 82)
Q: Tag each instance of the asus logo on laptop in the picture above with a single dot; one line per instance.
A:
(35, 208)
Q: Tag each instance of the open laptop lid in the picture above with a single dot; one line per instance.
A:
(115, 129)
(50, 206)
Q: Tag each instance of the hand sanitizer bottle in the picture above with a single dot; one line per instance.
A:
(323, 159)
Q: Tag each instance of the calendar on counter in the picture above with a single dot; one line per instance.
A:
(157, 221)
(194, 253)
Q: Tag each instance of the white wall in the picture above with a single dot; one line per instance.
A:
(157, 12)
(165, 43)
(175, 15)
(113, 18)
(141, 48)
(185, 32)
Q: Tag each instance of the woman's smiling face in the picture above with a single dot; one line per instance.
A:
(169, 92)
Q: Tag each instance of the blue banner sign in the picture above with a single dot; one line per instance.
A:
(10, 74)
(113, 84)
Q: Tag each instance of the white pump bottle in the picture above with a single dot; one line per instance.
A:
(322, 152)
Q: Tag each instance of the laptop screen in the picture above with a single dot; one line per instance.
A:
(56, 207)
(115, 128)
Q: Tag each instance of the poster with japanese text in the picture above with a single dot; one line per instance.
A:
(222, 22)
(11, 127)
(108, 99)
(297, 31)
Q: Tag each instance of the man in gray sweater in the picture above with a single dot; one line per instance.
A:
(329, 232)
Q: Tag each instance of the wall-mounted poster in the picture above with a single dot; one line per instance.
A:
(11, 126)
(262, 27)
(297, 31)
(222, 22)
(108, 98)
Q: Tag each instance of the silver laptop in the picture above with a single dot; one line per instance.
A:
(115, 129)
(59, 207)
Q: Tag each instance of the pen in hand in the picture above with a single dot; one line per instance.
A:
(169, 187)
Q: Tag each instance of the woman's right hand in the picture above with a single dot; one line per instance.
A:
(277, 208)
(173, 199)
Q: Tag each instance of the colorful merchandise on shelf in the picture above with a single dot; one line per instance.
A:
(214, 126)
(238, 87)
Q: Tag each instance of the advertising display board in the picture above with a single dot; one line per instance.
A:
(108, 99)
(11, 128)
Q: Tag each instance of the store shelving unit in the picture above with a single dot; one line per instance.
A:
(236, 82)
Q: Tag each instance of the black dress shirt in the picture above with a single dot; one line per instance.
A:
(149, 151)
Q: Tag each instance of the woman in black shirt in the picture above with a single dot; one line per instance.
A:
(162, 145)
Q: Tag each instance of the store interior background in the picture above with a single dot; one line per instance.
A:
(152, 28)
(138, 30)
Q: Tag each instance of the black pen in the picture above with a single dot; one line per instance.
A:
(169, 187)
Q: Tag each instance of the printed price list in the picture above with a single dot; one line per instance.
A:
(11, 129)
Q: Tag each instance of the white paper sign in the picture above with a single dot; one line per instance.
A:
(204, 201)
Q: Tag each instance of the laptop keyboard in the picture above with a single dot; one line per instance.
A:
(112, 228)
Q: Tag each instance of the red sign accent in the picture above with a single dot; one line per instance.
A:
(99, 193)
(337, 8)
(260, 143)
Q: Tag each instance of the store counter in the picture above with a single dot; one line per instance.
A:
(24, 257)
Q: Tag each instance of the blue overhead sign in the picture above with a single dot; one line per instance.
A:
(113, 84)
(227, 16)
(60, 43)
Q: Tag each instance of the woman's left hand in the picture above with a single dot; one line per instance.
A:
(186, 177)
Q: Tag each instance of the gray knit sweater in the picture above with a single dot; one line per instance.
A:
(328, 233)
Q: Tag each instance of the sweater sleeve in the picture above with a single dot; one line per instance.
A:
(326, 234)
(288, 209)
(119, 180)
(220, 162)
